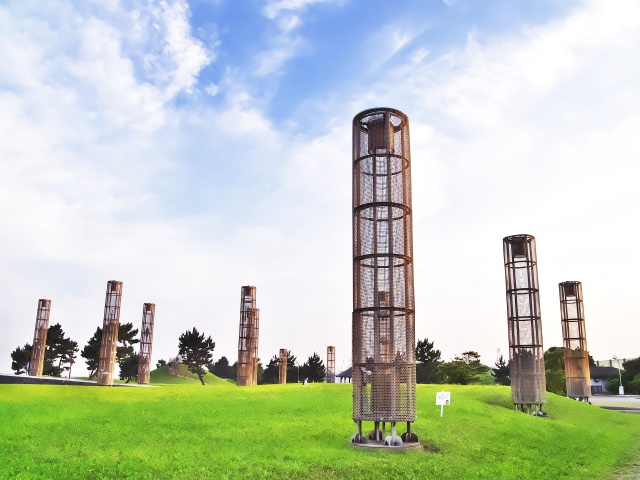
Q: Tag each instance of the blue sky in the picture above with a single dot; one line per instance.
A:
(190, 148)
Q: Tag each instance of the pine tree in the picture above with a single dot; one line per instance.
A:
(313, 369)
(196, 351)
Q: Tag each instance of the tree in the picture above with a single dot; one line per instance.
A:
(222, 368)
(161, 363)
(20, 358)
(270, 374)
(465, 369)
(428, 360)
(126, 355)
(129, 368)
(630, 376)
(91, 352)
(554, 370)
(126, 340)
(59, 352)
(554, 358)
(196, 351)
(67, 351)
(502, 372)
(293, 370)
(313, 369)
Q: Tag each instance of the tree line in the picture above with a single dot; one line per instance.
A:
(196, 352)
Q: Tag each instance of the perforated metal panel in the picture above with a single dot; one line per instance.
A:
(247, 373)
(383, 325)
(36, 363)
(109, 333)
(576, 354)
(331, 365)
(282, 365)
(528, 384)
(146, 341)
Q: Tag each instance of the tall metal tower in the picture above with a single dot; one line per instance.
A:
(248, 338)
(110, 327)
(383, 329)
(282, 365)
(331, 365)
(40, 338)
(146, 341)
(528, 384)
(574, 335)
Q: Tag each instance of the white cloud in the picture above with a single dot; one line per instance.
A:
(212, 89)
(273, 8)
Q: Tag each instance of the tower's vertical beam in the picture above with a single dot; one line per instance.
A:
(383, 325)
(526, 353)
(331, 364)
(40, 338)
(146, 341)
(574, 336)
(282, 365)
(110, 327)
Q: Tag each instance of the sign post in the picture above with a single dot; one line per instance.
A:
(443, 398)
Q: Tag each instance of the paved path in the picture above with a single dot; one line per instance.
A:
(624, 403)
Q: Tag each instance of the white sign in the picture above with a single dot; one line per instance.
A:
(443, 398)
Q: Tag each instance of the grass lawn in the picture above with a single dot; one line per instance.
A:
(219, 430)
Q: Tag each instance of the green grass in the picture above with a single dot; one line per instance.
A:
(294, 431)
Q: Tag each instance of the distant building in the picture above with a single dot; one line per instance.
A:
(599, 376)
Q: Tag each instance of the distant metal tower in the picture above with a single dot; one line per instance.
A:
(528, 384)
(383, 329)
(146, 341)
(40, 338)
(110, 327)
(331, 364)
(282, 365)
(576, 354)
(248, 338)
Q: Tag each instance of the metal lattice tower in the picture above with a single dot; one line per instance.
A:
(36, 363)
(526, 354)
(110, 327)
(331, 364)
(146, 341)
(383, 329)
(576, 354)
(282, 365)
(248, 338)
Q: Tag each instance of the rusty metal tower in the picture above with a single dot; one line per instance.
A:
(526, 354)
(40, 338)
(282, 365)
(576, 355)
(331, 364)
(110, 327)
(146, 341)
(248, 338)
(383, 328)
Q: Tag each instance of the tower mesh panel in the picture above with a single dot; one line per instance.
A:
(146, 340)
(526, 353)
(248, 338)
(282, 366)
(383, 324)
(110, 327)
(40, 338)
(331, 364)
(576, 355)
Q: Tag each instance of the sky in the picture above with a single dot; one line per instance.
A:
(187, 148)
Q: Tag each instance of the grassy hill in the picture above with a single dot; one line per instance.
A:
(276, 431)
(161, 376)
